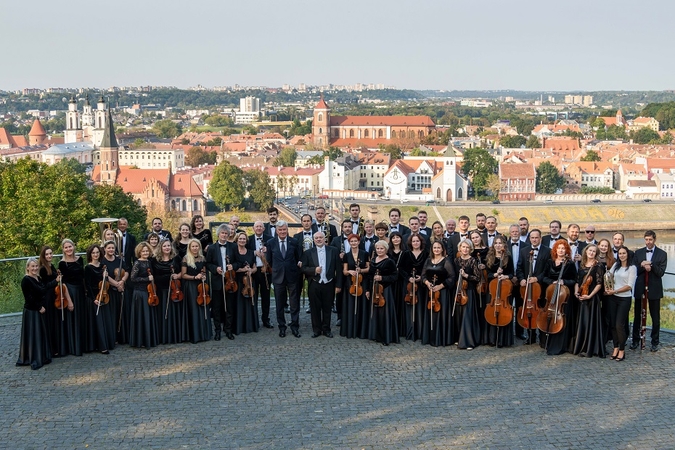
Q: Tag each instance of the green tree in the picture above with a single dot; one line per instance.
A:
(259, 187)
(286, 158)
(596, 190)
(393, 150)
(645, 136)
(533, 142)
(493, 185)
(112, 201)
(591, 155)
(512, 141)
(197, 156)
(226, 187)
(549, 179)
(218, 121)
(166, 129)
(300, 129)
(478, 166)
(250, 129)
(418, 152)
(215, 142)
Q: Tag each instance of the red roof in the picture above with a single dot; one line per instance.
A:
(322, 104)
(135, 180)
(393, 121)
(37, 129)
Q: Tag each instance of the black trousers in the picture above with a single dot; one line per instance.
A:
(261, 289)
(654, 312)
(321, 302)
(618, 314)
(222, 311)
(283, 293)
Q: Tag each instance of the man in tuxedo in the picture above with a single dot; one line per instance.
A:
(514, 246)
(617, 241)
(306, 241)
(590, 235)
(273, 215)
(157, 228)
(323, 268)
(369, 239)
(128, 250)
(394, 222)
(261, 280)
(524, 226)
(651, 263)
(554, 227)
(462, 233)
(323, 225)
(283, 253)
(480, 226)
(414, 230)
(222, 303)
(341, 243)
(491, 230)
(575, 244)
(424, 229)
(539, 258)
(448, 236)
(355, 219)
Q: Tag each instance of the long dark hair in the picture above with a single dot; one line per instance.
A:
(617, 264)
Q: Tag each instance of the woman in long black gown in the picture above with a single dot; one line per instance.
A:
(480, 251)
(198, 316)
(200, 232)
(172, 322)
(383, 325)
(499, 265)
(143, 330)
(438, 275)
(559, 343)
(72, 272)
(246, 319)
(465, 319)
(355, 308)
(412, 262)
(34, 347)
(101, 316)
(56, 327)
(183, 239)
(396, 250)
(590, 335)
(117, 280)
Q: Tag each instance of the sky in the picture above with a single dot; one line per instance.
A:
(534, 45)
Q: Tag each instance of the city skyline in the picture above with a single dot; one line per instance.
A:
(438, 45)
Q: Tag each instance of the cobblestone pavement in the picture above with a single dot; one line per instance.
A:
(260, 391)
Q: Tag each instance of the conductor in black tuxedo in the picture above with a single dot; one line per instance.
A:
(321, 265)
(514, 246)
(223, 304)
(651, 263)
(540, 256)
(283, 253)
(128, 244)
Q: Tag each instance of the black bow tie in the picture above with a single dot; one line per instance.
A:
(307, 232)
(369, 239)
(463, 235)
(573, 244)
(355, 221)
(491, 235)
(514, 243)
(650, 251)
(615, 250)
(536, 249)
(221, 245)
(273, 226)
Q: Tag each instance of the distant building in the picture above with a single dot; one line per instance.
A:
(249, 110)
(644, 122)
(517, 181)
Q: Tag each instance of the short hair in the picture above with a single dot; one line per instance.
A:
(525, 219)
(650, 233)
(156, 218)
(573, 225)
(413, 218)
(140, 247)
(282, 223)
(480, 214)
(222, 227)
(555, 221)
(305, 215)
(369, 222)
(620, 234)
(535, 230)
(465, 241)
(422, 212)
(491, 217)
(150, 236)
(355, 205)
(320, 207)
(272, 209)
(382, 244)
(345, 221)
(394, 210)
(464, 218)
(353, 236)
(381, 226)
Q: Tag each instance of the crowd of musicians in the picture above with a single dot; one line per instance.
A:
(448, 284)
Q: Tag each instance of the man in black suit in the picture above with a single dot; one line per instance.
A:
(222, 303)
(323, 225)
(356, 219)
(283, 253)
(617, 241)
(424, 217)
(463, 224)
(322, 267)
(394, 222)
(651, 263)
(590, 235)
(157, 228)
(369, 238)
(341, 243)
(524, 226)
(491, 230)
(514, 246)
(480, 226)
(540, 257)
(414, 230)
(306, 241)
(554, 227)
(575, 244)
(448, 237)
(128, 250)
(273, 215)
(261, 280)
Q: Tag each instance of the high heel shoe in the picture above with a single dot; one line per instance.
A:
(614, 355)
(621, 358)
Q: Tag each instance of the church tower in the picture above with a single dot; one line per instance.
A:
(37, 134)
(99, 122)
(87, 114)
(73, 131)
(321, 124)
(109, 153)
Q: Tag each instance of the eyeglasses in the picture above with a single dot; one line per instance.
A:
(590, 231)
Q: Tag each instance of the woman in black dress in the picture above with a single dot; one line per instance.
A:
(396, 249)
(153, 239)
(438, 276)
(34, 347)
(117, 277)
(200, 232)
(499, 265)
(143, 330)
(381, 230)
(77, 326)
(172, 323)
(182, 240)
(590, 335)
(198, 316)
(355, 308)
(56, 327)
(383, 321)
(412, 263)
(480, 251)
(465, 318)
(246, 319)
(438, 234)
(101, 315)
(559, 343)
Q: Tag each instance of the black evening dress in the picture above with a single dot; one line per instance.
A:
(34, 346)
(501, 336)
(246, 320)
(181, 249)
(559, 343)
(143, 330)
(172, 321)
(118, 302)
(483, 294)
(77, 327)
(383, 324)
(398, 291)
(355, 309)
(55, 326)
(465, 319)
(204, 237)
(103, 317)
(198, 316)
(438, 327)
(590, 334)
(412, 329)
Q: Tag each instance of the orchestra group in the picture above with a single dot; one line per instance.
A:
(448, 284)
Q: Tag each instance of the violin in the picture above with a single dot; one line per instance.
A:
(378, 292)
(482, 284)
(153, 299)
(552, 320)
(461, 297)
(411, 294)
(247, 290)
(356, 289)
(499, 311)
(585, 287)
(103, 297)
(531, 292)
(203, 297)
(230, 279)
(60, 297)
(266, 268)
(434, 303)
(174, 288)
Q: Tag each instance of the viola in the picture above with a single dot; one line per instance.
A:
(411, 294)
(356, 289)
(434, 303)
(499, 311)
(174, 287)
(230, 279)
(247, 290)
(378, 292)
(203, 297)
(551, 319)
(531, 292)
(153, 299)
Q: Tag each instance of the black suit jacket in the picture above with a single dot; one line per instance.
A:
(546, 240)
(362, 244)
(310, 261)
(485, 238)
(427, 229)
(401, 229)
(331, 229)
(659, 263)
(267, 230)
(523, 268)
(130, 252)
(284, 270)
(300, 238)
(456, 239)
(251, 240)
(214, 260)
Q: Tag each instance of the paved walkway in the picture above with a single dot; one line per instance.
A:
(262, 392)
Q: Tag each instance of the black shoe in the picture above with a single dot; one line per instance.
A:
(329, 335)
(230, 336)
(315, 335)
(308, 310)
(655, 348)
(338, 323)
(296, 333)
(287, 310)
(217, 336)
(282, 333)
(267, 325)
(634, 345)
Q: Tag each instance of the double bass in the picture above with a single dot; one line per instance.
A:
(551, 319)
(531, 292)
(499, 311)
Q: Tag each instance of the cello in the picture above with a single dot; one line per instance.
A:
(153, 299)
(527, 314)
(356, 289)
(552, 319)
(499, 311)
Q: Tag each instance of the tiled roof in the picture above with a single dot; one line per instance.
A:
(514, 170)
(394, 121)
(37, 129)
(135, 180)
